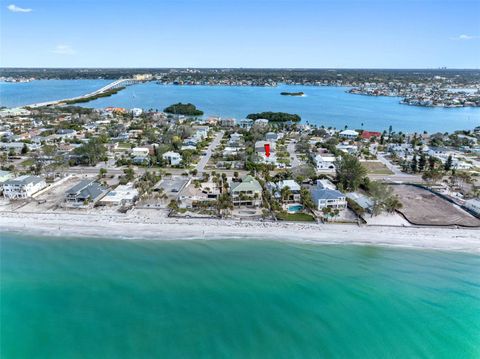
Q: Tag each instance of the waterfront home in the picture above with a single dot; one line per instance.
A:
(246, 123)
(294, 189)
(473, 205)
(122, 195)
(136, 111)
(203, 195)
(23, 187)
(261, 122)
(349, 134)
(86, 191)
(324, 197)
(367, 135)
(172, 158)
(246, 193)
(363, 201)
(228, 122)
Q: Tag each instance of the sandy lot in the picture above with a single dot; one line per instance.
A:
(422, 207)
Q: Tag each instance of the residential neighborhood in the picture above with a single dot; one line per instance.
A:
(120, 160)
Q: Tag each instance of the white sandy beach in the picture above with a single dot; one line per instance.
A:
(147, 224)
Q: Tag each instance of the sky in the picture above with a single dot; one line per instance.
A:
(240, 33)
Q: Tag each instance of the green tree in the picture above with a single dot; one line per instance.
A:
(422, 162)
(25, 149)
(414, 164)
(350, 172)
(91, 152)
(448, 163)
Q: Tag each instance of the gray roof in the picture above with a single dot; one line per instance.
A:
(24, 180)
(86, 189)
(324, 194)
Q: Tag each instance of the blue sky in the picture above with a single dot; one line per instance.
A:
(240, 33)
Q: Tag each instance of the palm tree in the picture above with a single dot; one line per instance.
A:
(285, 194)
(392, 204)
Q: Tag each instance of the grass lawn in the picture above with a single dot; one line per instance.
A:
(377, 168)
(302, 217)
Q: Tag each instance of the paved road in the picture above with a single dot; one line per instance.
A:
(213, 145)
(293, 155)
(398, 175)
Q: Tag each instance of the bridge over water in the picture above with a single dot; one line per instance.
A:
(111, 86)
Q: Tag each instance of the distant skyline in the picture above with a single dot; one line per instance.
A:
(235, 33)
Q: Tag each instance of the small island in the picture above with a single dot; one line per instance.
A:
(187, 109)
(83, 99)
(275, 116)
(300, 93)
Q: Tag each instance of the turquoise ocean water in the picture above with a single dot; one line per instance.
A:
(91, 298)
(328, 106)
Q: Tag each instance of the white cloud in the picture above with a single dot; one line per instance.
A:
(464, 37)
(15, 8)
(64, 50)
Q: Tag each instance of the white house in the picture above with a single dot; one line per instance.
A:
(246, 123)
(325, 162)
(350, 134)
(140, 152)
(261, 122)
(123, 195)
(23, 186)
(136, 111)
(172, 158)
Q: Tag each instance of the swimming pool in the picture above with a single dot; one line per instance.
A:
(294, 208)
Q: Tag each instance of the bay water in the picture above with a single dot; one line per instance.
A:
(327, 106)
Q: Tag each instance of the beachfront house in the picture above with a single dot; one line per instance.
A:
(172, 158)
(23, 187)
(85, 192)
(473, 205)
(122, 195)
(246, 193)
(325, 197)
(293, 189)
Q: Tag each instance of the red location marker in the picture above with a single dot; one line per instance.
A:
(267, 149)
